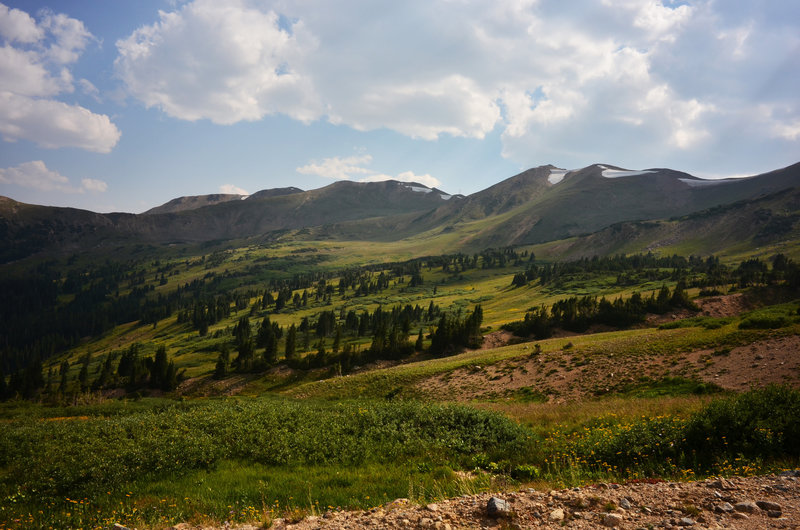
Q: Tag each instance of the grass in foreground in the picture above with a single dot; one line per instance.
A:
(255, 459)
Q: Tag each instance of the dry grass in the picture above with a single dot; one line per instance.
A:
(542, 417)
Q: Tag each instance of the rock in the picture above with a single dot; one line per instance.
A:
(774, 514)
(724, 507)
(118, 526)
(722, 484)
(739, 515)
(497, 507)
(746, 507)
(686, 521)
(768, 506)
(579, 502)
(624, 503)
(432, 507)
(791, 473)
(557, 515)
(612, 519)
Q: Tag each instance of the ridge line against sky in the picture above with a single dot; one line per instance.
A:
(123, 106)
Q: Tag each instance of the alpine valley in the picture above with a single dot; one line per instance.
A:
(285, 357)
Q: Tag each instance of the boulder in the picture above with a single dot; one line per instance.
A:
(497, 507)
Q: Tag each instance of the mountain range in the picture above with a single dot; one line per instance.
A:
(538, 205)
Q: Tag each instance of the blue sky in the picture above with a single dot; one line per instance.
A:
(112, 105)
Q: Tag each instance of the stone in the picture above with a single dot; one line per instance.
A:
(739, 515)
(612, 519)
(724, 507)
(624, 503)
(769, 506)
(118, 526)
(774, 514)
(432, 507)
(557, 515)
(497, 507)
(722, 484)
(746, 507)
(791, 473)
(686, 521)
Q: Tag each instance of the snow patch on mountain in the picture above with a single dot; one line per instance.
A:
(698, 183)
(557, 175)
(618, 173)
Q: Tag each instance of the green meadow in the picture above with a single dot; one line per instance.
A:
(288, 437)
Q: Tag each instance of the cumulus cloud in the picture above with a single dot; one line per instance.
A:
(34, 70)
(560, 82)
(36, 175)
(231, 189)
(352, 168)
(222, 61)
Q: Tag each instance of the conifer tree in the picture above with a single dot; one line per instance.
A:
(291, 339)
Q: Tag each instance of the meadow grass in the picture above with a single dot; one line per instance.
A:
(254, 459)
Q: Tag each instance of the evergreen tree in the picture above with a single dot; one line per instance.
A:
(83, 376)
(158, 369)
(3, 385)
(244, 344)
(291, 339)
(223, 363)
(420, 341)
(62, 372)
(337, 339)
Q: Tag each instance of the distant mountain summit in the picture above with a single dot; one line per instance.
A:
(541, 204)
(193, 202)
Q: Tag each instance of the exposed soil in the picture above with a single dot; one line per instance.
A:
(208, 386)
(569, 375)
(742, 503)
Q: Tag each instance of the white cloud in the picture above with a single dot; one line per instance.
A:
(352, 168)
(232, 190)
(18, 26)
(223, 61)
(568, 83)
(337, 168)
(53, 124)
(95, 185)
(33, 72)
(37, 176)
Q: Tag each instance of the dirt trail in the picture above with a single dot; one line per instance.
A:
(741, 503)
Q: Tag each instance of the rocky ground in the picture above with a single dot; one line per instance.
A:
(745, 503)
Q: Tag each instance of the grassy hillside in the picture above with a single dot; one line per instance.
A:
(359, 417)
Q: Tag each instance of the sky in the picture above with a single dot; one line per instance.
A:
(113, 105)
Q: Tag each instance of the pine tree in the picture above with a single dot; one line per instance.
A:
(3, 385)
(158, 370)
(83, 376)
(63, 370)
(337, 339)
(291, 339)
(223, 363)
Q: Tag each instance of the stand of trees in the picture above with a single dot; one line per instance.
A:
(579, 313)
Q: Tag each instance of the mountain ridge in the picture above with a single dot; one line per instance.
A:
(537, 205)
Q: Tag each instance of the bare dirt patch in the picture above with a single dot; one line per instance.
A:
(207, 386)
(771, 361)
(568, 375)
